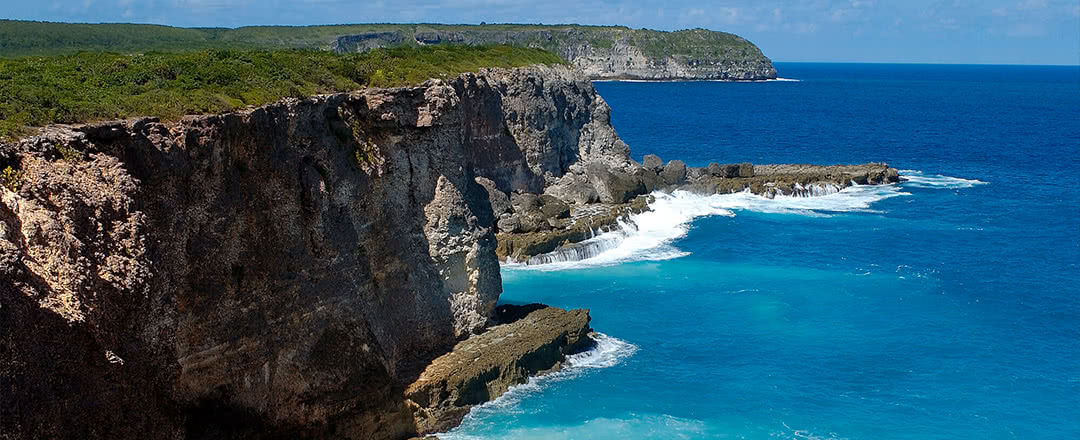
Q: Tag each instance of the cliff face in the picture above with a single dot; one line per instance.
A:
(283, 271)
(599, 52)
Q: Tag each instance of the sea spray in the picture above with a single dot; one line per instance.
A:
(919, 179)
(648, 236)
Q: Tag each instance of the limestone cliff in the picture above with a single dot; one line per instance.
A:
(279, 272)
(599, 52)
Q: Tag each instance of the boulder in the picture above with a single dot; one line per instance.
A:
(573, 189)
(613, 186)
(500, 202)
(552, 207)
(746, 169)
(716, 170)
(534, 221)
(524, 202)
(510, 224)
(652, 163)
(674, 172)
(651, 180)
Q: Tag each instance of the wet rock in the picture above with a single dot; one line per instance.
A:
(674, 172)
(652, 163)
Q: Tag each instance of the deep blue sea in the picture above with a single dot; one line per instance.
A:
(945, 307)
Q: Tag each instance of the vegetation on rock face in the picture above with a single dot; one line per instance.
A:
(83, 87)
(11, 178)
(69, 153)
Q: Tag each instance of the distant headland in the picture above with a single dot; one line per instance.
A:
(601, 52)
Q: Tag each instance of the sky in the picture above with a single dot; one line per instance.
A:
(904, 31)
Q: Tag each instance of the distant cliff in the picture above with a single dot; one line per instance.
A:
(600, 52)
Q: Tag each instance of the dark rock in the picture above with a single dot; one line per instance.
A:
(104, 131)
(552, 207)
(674, 172)
(892, 175)
(715, 170)
(652, 163)
(500, 202)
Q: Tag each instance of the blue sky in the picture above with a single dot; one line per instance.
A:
(928, 31)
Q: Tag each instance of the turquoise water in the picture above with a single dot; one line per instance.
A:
(945, 307)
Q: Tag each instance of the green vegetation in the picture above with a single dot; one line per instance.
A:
(11, 179)
(83, 87)
(69, 153)
(23, 38)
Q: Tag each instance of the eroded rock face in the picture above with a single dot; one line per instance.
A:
(282, 271)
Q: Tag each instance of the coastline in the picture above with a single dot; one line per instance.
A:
(676, 80)
(161, 187)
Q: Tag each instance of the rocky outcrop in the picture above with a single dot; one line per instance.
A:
(528, 341)
(599, 52)
(285, 271)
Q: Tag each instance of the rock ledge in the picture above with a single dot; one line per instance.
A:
(532, 340)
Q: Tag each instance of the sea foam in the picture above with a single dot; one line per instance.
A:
(648, 236)
(918, 179)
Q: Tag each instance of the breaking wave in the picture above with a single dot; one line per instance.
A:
(649, 236)
(918, 179)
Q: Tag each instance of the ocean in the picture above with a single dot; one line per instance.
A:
(944, 307)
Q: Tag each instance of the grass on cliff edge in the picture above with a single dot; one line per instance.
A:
(85, 87)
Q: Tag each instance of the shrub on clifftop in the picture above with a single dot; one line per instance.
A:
(36, 91)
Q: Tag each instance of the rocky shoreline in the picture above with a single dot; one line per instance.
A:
(593, 199)
(318, 268)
